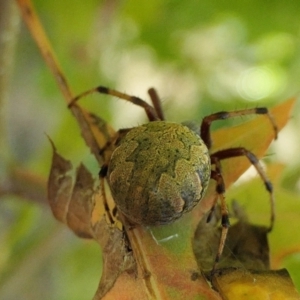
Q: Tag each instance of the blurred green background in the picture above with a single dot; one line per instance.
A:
(202, 56)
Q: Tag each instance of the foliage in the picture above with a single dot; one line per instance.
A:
(194, 54)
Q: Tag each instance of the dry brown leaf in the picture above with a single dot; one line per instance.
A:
(59, 186)
(117, 257)
(73, 204)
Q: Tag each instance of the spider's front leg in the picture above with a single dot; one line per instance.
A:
(216, 158)
(110, 214)
(220, 191)
(241, 151)
(106, 153)
(223, 115)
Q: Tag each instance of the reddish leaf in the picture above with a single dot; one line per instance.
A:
(59, 186)
(256, 136)
(81, 209)
(117, 258)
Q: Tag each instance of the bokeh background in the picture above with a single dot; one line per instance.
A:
(202, 56)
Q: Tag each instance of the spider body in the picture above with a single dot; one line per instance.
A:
(158, 171)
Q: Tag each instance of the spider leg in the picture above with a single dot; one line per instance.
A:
(220, 190)
(223, 115)
(106, 151)
(110, 215)
(219, 171)
(240, 151)
(150, 111)
(156, 103)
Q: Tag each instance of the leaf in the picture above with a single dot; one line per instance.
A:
(70, 204)
(74, 205)
(238, 284)
(117, 257)
(255, 135)
(284, 238)
(246, 245)
(59, 186)
(243, 271)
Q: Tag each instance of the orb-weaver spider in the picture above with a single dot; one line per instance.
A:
(160, 170)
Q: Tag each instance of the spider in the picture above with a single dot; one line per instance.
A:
(160, 170)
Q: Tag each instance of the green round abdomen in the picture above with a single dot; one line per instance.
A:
(158, 171)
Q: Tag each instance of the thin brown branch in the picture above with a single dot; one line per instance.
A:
(26, 185)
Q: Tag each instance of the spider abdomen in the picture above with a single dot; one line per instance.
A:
(158, 171)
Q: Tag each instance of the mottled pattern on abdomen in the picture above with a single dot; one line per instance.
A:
(158, 171)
